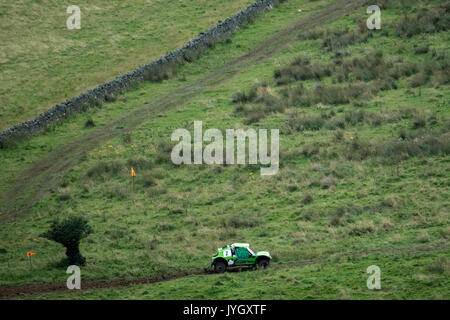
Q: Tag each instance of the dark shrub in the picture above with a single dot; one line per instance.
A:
(439, 266)
(112, 167)
(161, 72)
(339, 136)
(354, 117)
(426, 21)
(302, 123)
(404, 69)
(164, 147)
(139, 162)
(94, 102)
(254, 115)
(264, 103)
(327, 182)
(239, 97)
(339, 217)
(110, 98)
(334, 40)
(419, 122)
(430, 144)
(358, 150)
(311, 35)
(419, 79)
(302, 69)
(89, 123)
(127, 138)
(421, 50)
(339, 123)
(164, 150)
(147, 180)
(64, 197)
(340, 95)
(69, 233)
(311, 150)
(307, 199)
(242, 221)
(387, 83)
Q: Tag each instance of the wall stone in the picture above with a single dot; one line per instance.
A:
(105, 91)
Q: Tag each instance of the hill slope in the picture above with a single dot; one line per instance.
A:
(363, 174)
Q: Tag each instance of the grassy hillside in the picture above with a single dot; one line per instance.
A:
(364, 137)
(42, 63)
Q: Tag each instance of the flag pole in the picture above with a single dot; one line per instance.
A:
(133, 174)
(29, 254)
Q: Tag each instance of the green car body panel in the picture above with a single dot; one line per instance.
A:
(239, 255)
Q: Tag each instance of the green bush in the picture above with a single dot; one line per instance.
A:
(361, 228)
(334, 40)
(327, 182)
(264, 103)
(241, 221)
(419, 122)
(301, 69)
(302, 123)
(421, 50)
(89, 123)
(307, 199)
(161, 72)
(147, 180)
(425, 21)
(111, 167)
(439, 266)
(139, 162)
(419, 80)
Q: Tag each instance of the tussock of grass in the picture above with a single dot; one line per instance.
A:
(263, 103)
(109, 167)
(424, 21)
(242, 221)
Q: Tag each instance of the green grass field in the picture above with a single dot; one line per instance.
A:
(42, 63)
(363, 180)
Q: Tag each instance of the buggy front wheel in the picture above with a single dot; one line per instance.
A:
(220, 267)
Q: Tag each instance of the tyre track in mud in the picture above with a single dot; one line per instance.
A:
(14, 292)
(39, 178)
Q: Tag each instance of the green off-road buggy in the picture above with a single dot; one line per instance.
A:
(239, 255)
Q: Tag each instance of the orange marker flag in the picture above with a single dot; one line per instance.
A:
(30, 254)
(133, 174)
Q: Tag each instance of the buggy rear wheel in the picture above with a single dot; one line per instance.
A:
(263, 263)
